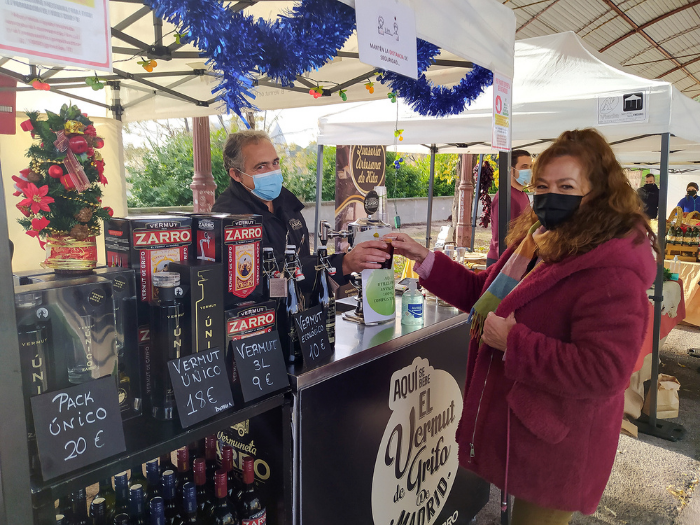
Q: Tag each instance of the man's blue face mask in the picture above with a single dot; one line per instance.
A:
(267, 185)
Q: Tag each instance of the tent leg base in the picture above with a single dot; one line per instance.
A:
(663, 429)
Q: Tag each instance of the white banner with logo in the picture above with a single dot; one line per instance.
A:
(502, 108)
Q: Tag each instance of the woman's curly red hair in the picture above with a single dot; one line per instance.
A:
(612, 210)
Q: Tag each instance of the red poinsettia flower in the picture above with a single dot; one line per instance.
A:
(20, 184)
(40, 224)
(90, 130)
(109, 210)
(25, 211)
(36, 199)
(103, 179)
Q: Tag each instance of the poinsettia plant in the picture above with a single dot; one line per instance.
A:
(61, 190)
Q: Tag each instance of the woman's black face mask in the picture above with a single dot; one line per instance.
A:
(554, 209)
(692, 192)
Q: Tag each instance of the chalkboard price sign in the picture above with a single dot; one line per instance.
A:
(311, 326)
(260, 365)
(201, 386)
(77, 426)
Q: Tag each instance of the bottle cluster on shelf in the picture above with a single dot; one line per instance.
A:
(203, 489)
(677, 237)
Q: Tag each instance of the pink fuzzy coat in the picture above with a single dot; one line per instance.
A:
(554, 405)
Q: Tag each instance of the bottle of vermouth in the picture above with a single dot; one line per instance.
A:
(210, 455)
(169, 498)
(98, 511)
(202, 491)
(153, 477)
(322, 292)
(234, 485)
(33, 333)
(291, 305)
(137, 511)
(166, 338)
(121, 488)
(79, 515)
(156, 509)
(222, 512)
(270, 272)
(107, 493)
(188, 516)
(251, 511)
(137, 477)
(184, 474)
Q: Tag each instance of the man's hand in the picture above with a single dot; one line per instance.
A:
(367, 255)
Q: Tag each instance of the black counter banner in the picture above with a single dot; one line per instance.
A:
(201, 386)
(77, 426)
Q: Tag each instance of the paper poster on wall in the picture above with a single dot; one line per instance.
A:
(621, 108)
(386, 35)
(414, 472)
(502, 106)
(60, 32)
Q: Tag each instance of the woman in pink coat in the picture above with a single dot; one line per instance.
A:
(556, 326)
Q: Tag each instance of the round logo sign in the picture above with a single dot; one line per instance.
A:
(371, 202)
(96, 297)
(368, 163)
(417, 461)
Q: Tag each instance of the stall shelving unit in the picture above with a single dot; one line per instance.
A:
(25, 500)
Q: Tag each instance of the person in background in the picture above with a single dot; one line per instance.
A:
(520, 171)
(649, 193)
(556, 329)
(256, 187)
(690, 202)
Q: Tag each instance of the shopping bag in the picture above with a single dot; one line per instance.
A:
(667, 401)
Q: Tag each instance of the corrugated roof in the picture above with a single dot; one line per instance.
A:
(656, 39)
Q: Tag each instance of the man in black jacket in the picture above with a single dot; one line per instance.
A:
(649, 193)
(256, 187)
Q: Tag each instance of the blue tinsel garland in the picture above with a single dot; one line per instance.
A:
(303, 39)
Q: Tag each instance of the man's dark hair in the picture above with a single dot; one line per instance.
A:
(650, 175)
(693, 184)
(516, 154)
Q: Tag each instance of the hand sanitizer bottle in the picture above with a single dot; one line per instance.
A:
(412, 305)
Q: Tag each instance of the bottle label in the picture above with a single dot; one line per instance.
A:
(278, 288)
(416, 310)
(259, 518)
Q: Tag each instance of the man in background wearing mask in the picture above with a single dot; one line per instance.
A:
(690, 202)
(649, 193)
(256, 187)
(521, 173)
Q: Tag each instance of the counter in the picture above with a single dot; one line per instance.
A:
(374, 428)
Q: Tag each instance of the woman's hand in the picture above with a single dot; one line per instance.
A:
(404, 245)
(496, 330)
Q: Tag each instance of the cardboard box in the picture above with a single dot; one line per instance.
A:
(235, 241)
(147, 244)
(203, 298)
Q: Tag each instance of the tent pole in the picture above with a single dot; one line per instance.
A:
(433, 151)
(475, 207)
(662, 429)
(503, 203)
(319, 192)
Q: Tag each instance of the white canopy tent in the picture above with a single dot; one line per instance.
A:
(558, 81)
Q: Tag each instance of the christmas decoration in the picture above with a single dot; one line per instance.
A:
(484, 197)
(398, 162)
(398, 133)
(316, 92)
(391, 96)
(61, 197)
(369, 86)
(95, 83)
(39, 85)
(148, 65)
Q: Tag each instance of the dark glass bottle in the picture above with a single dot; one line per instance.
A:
(223, 513)
(107, 493)
(166, 339)
(269, 270)
(200, 481)
(184, 474)
(289, 306)
(65, 507)
(33, 334)
(121, 488)
(153, 478)
(61, 519)
(166, 463)
(234, 484)
(188, 516)
(80, 514)
(137, 477)
(169, 497)
(137, 509)
(322, 293)
(210, 456)
(156, 512)
(250, 509)
(98, 511)
(121, 519)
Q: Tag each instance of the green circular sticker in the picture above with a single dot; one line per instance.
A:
(380, 292)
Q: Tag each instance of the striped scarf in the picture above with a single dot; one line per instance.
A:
(512, 273)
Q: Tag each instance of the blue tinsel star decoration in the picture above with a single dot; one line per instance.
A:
(300, 40)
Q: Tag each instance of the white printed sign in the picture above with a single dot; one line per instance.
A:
(502, 108)
(386, 35)
(57, 32)
(417, 462)
(620, 108)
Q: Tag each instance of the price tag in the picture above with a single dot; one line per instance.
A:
(278, 287)
(260, 364)
(77, 426)
(201, 386)
(311, 326)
